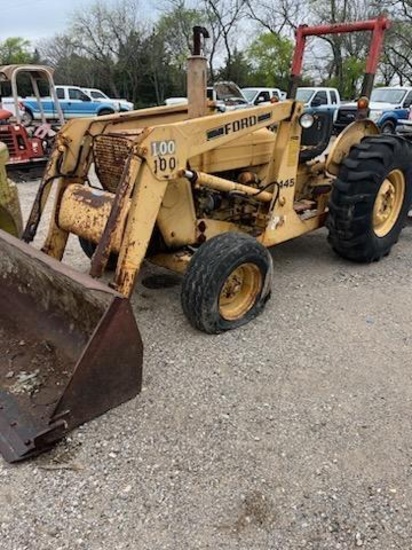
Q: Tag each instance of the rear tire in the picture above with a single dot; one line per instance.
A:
(227, 283)
(89, 248)
(371, 198)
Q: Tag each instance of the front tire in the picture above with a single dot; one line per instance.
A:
(388, 127)
(371, 198)
(227, 283)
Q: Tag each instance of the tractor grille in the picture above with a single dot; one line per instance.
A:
(346, 116)
(6, 137)
(110, 154)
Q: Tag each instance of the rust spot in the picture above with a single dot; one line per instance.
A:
(97, 199)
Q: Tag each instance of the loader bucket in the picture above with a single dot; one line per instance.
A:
(70, 349)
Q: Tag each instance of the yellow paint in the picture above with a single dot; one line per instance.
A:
(388, 203)
(240, 291)
(172, 213)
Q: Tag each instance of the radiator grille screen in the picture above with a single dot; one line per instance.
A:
(110, 154)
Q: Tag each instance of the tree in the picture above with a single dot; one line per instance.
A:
(175, 29)
(15, 50)
(102, 32)
(109, 46)
(351, 80)
(239, 69)
(270, 55)
(397, 56)
(71, 67)
(223, 20)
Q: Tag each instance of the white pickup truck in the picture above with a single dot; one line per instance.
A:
(263, 96)
(73, 101)
(97, 95)
(320, 99)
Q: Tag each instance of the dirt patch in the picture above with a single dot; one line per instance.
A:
(256, 511)
(32, 371)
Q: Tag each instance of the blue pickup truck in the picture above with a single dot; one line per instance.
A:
(73, 101)
(387, 106)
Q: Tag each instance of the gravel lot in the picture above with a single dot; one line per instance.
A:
(293, 432)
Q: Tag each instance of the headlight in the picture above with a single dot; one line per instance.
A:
(306, 120)
(374, 115)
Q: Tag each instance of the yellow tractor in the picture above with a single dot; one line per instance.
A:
(201, 194)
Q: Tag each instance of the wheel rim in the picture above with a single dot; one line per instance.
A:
(387, 129)
(240, 291)
(388, 203)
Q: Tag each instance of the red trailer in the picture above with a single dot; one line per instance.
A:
(27, 145)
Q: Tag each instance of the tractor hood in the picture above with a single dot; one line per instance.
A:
(373, 105)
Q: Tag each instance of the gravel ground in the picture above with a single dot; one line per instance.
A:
(293, 432)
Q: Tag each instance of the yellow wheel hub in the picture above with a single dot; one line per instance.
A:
(240, 291)
(388, 203)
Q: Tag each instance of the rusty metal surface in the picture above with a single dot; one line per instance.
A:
(118, 213)
(85, 211)
(110, 155)
(70, 349)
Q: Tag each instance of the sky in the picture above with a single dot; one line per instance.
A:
(36, 19)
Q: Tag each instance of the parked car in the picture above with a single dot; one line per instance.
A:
(319, 99)
(98, 95)
(227, 96)
(387, 106)
(262, 96)
(73, 101)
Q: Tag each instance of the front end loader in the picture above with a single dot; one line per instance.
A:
(204, 195)
(69, 345)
